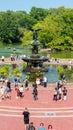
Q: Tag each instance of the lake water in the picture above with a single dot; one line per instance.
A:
(52, 74)
(7, 51)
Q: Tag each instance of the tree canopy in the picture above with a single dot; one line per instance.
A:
(56, 26)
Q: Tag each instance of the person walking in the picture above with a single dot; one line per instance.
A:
(35, 93)
(21, 91)
(64, 94)
(2, 92)
(26, 84)
(8, 84)
(26, 115)
(17, 91)
(44, 81)
(55, 94)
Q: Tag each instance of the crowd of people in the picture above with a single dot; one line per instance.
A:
(60, 92)
(5, 88)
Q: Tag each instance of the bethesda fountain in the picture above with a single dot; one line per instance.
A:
(35, 61)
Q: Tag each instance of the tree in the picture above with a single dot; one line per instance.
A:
(9, 29)
(38, 13)
(24, 19)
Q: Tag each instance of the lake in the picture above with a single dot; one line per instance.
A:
(7, 51)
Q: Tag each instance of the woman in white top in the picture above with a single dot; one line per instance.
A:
(2, 92)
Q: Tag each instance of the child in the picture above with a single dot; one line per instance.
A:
(21, 91)
(64, 94)
(50, 127)
(17, 91)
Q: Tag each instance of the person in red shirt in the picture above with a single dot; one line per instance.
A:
(17, 91)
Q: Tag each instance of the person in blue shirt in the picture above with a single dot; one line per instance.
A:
(41, 127)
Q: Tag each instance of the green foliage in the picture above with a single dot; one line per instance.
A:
(17, 72)
(57, 29)
(24, 20)
(56, 26)
(33, 76)
(9, 28)
(4, 70)
(38, 13)
(69, 73)
(27, 37)
(1, 44)
(60, 70)
(24, 64)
